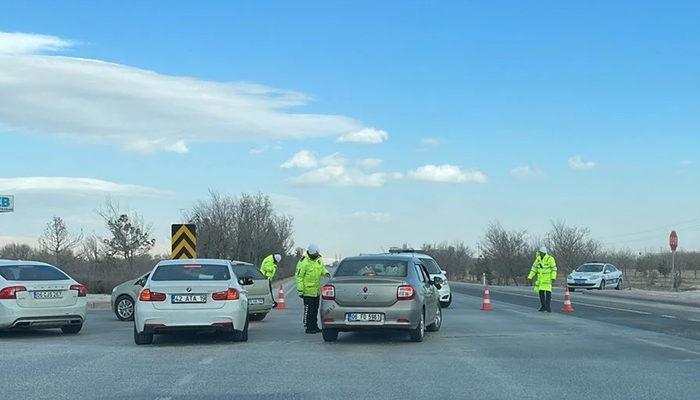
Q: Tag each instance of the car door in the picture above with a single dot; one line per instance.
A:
(429, 293)
(616, 274)
(608, 275)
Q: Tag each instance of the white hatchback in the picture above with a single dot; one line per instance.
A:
(36, 295)
(194, 294)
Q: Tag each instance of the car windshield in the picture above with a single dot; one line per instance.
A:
(370, 267)
(590, 268)
(32, 273)
(247, 271)
(191, 272)
(431, 265)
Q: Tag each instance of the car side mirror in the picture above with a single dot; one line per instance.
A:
(437, 282)
(444, 272)
(246, 281)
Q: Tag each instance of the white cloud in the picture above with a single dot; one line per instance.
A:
(364, 136)
(431, 141)
(369, 163)
(301, 159)
(339, 176)
(144, 111)
(13, 43)
(447, 173)
(525, 172)
(371, 215)
(686, 163)
(67, 184)
(577, 163)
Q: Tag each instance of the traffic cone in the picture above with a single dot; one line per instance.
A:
(486, 305)
(567, 302)
(281, 305)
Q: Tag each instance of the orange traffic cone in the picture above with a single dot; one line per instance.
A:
(281, 305)
(486, 305)
(567, 302)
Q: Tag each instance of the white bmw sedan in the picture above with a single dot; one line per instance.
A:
(41, 296)
(194, 294)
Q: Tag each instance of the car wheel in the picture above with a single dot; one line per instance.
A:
(445, 304)
(330, 335)
(257, 317)
(241, 336)
(602, 284)
(72, 329)
(124, 308)
(142, 338)
(418, 333)
(435, 326)
(619, 284)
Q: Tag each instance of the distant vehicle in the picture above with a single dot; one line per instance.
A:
(36, 295)
(193, 294)
(595, 276)
(378, 292)
(124, 297)
(434, 270)
(259, 295)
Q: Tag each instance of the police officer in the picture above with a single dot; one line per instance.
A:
(545, 268)
(310, 270)
(269, 269)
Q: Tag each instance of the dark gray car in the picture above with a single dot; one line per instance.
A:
(381, 292)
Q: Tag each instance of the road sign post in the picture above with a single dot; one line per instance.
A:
(673, 243)
(7, 203)
(184, 241)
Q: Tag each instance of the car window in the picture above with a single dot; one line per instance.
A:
(421, 273)
(32, 273)
(612, 268)
(590, 268)
(248, 271)
(431, 266)
(142, 280)
(370, 267)
(608, 269)
(191, 272)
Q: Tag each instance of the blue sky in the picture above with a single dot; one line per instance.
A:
(521, 112)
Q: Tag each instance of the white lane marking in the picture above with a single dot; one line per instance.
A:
(184, 380)
(164, 398)
(669, 316)
(207, 361)
(668, 346)
(588, 305)
(693, 320)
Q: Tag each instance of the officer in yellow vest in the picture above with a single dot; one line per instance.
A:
(545, 269)
(310, 270)
(269, 269)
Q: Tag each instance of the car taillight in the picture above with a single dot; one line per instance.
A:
(230, 294)
(82, 290)
(405, 292)
(10, 293)
(328, 292)
(147, 295)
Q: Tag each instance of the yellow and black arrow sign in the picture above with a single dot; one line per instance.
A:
(184, 241)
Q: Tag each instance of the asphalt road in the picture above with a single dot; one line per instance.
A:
(512, 352)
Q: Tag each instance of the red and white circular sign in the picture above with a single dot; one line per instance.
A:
(673, 240)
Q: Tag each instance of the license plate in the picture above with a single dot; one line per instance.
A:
(189, 298)
(365, 317)
(580, 280)
(256, 301)
(48, 294)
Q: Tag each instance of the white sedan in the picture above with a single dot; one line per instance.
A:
(194, 294)
(595, 276)
(41, 296)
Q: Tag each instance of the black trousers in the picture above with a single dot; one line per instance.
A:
(311, 305)
(546, 300)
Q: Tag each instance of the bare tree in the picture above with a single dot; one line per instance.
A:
(130, 235)
(57, 240)
(17, 251)
(91, 249)
(571, 245)
(456, 258)
(506, 253)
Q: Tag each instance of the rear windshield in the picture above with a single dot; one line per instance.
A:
(247, 271)
(191, 272)
(432, 266)
(32, 273)
(590, 268)
(389, 268)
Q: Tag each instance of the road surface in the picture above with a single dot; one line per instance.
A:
(512, 352)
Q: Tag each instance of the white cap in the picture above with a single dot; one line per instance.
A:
(278, 257)
(313, 249)
(543, 249)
